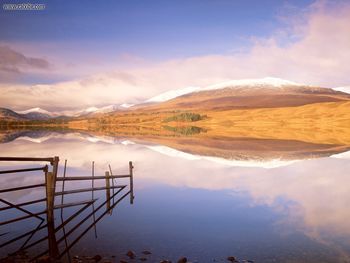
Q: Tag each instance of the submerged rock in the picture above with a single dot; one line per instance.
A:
(43, 259)
(182, 260)
(146, 252)
(232, 259)
(131, 254)
(97, 258)
(143, 259)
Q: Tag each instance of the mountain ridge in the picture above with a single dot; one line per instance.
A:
(265, 92)
(254, 96)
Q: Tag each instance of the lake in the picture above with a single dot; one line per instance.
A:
(257, 200)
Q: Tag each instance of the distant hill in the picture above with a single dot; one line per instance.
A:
(10, 115)
(6, 114)
(37, 116)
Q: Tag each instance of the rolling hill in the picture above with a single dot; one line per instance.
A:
(10, 115)
(7, 114)
(269, 93)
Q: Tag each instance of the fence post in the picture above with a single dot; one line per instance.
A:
(131, 167)
(108, 192)
(50, 181)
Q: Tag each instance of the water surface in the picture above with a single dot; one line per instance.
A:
(287, 206)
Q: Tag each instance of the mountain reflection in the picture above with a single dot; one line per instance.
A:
(267, 153)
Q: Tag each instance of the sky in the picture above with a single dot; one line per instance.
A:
(79, 54)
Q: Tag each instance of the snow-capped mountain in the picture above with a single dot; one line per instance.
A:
(37, 114)
(95, 110)
(41, 114)
(268, 81)
(246, 93)
(37, 110)
(126, 105)
(101, 110)
(31, 114)
(263, 92)
(173, 94)
(343, 89)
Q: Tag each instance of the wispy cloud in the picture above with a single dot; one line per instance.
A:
(13, 63)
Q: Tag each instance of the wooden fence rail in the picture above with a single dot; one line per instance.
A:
(50, 173)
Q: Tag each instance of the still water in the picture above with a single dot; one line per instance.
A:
(200, 204)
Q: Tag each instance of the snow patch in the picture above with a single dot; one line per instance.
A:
(34, 140)
(173, 94)
(343, 89)
(172, 152)
(35, 110)
(274, 163)
(268, 81)
(126, 105)
(344, 155)
(127, 142)
(91, 109)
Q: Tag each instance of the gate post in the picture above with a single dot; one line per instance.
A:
(50, 181)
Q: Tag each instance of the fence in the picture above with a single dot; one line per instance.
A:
(50, 172)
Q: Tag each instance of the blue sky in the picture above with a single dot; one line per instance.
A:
(158, 29)
(129, 51)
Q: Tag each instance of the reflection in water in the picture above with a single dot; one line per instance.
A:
(46, 218)
(245, 152)
(295, 194)
(185, 130)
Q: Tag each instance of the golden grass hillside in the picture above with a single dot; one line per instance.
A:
(322, 123)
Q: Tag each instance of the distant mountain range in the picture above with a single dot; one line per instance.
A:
(11, 115)
(41, 114)
(235, 94)
(23, 115)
